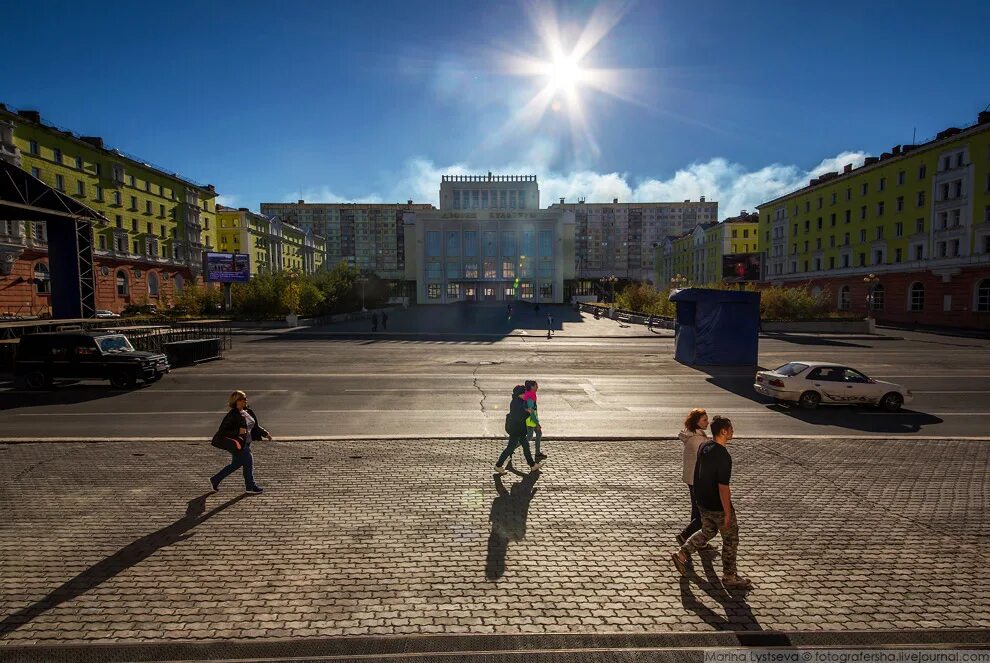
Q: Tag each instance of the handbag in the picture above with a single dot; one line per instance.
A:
(230, 444)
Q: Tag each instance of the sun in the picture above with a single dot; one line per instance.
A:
(564, 73)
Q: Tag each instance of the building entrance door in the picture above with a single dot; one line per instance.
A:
(489, 294)
(470, 293)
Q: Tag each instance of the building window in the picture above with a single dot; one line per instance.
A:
(59, 182)
(508, 269)
(880, 232)
(883, 184)
(880, 209)
(983, 296)
(898, 229)
(490, 239)
(453, 290)
(844, 299)
(919, 225)
(510, 292)
(42, 279)
(862, 212)
(900, 178)
(865, 188)
(490, 271)
(137, 247)
(433, 243)
(916, 297)
(147, 207)
(453, 270)
(103, 242)
(470, 243)
(433, 291)
(36, 173)
(33, 147)
(898, 255)
(153, 284)
(80, 188)
(121, 283)
(878, 257)
(899, 203)
(470, 270)
(831, 220)
(508, 242)
(878, 296)
(457, 199)
(921, 199)
(453, 243)
(922, 172)
(546, 243)
(134, 203)
(546, 291)
(848, 216)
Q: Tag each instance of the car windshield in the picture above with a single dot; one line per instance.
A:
(115, 343)
(791, 369)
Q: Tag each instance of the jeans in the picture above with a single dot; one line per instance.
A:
(534, 433)
(695, 523)
(515, 441)
(712, 523)
(242, 459)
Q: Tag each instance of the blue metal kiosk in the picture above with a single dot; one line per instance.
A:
(716, 327)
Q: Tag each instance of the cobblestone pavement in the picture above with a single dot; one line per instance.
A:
(120, 541)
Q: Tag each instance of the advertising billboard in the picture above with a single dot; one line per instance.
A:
(742, 267)
(227, 268)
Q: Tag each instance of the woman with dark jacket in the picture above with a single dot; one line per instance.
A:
(239, 426)
(515, 426)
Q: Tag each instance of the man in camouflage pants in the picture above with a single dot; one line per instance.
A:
(712, 473)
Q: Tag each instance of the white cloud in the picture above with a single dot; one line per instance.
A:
(731, 184)
(227, 200)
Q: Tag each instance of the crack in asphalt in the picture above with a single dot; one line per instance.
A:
(484, 396)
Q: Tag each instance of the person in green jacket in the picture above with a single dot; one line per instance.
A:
(533, 427)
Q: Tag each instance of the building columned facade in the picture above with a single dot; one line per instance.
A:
(696, 256)
(913, 222)
(158, 223)
(499, 246)
(272, 244)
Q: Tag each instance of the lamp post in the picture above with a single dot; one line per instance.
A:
(677, 281)
(610, 281)
(362, 280)
(870, 280)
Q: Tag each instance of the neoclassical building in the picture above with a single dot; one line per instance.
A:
(489, 241)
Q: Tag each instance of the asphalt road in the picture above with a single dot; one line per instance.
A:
(598, 380)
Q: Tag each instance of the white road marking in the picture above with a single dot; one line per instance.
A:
(592, 394)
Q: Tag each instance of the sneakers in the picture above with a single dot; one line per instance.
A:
(215, 485)
(501, 470)
(255, 490)
(540, 457)
(736, 582)
(679, 563)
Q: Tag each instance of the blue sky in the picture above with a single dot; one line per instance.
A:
(374, 100)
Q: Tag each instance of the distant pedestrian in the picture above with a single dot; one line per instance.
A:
(712, 473)
(384, 321)
(693, 436)
(649, 324)
(533, 428)
(238, 429)
(515, 427)
(508, 310)
(374, 322)
(549, 325)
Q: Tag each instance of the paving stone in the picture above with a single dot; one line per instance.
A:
(102, 546)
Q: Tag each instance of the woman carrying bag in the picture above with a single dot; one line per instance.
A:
(237, 430)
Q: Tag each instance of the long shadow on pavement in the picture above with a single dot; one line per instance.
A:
(738, 613)
(61, 394)
(128, 556)
(508, 517)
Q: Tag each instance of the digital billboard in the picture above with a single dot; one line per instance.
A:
(742, 267)
(227, 268)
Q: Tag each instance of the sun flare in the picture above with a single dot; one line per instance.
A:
(564, 73)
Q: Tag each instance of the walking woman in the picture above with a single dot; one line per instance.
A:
(515, 426)
(693, 436)
(240, 426)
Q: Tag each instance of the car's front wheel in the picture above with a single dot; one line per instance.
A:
(123, 380)
(810, 400)
(891, 402)
(36, 380)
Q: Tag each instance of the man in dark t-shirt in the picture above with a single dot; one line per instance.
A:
(712, 474)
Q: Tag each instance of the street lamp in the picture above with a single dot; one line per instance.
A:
(869, 280)
(677, 281)
(610, 281)
(362, 280)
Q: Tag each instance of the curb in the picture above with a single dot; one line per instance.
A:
(589, 646)
(475, 438)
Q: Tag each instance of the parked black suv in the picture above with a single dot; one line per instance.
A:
(85, 355)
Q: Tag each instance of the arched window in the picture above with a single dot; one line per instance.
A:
(121, 283)
(983, 296)
(878, 294)
(42, 279)
(916, 297)
(153, 284)
(844, 298)
(179, 282)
